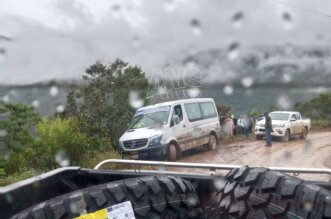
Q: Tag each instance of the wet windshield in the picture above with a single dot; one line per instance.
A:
(82, 81)
(279, 116)
(150, 118)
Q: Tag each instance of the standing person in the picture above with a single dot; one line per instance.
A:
(229, 126)
(222, 123)
(268, 129)
(246, 125)
(235, 123)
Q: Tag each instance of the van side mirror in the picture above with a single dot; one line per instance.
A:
(175, 119)
(293, 119)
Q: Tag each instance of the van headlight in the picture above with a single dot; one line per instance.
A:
(278, 125)
(155, 140)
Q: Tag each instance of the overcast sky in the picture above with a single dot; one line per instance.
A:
(57, 39)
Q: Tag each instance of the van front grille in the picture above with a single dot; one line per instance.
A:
(136, 143)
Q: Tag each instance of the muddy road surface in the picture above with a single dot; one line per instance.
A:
(315, 151)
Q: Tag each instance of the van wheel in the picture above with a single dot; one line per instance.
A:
(172, 152)
(304, 133)
(212, 143)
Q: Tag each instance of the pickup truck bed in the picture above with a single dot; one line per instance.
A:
(241, 186)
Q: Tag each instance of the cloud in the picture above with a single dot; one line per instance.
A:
(58, 39)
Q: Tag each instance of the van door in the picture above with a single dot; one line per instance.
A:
(179, 131)
(195, 121)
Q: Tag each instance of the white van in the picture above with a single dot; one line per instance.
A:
(167, 129)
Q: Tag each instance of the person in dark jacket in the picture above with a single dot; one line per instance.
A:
(268, 129)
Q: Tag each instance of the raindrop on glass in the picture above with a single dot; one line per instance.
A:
(60, 109)
(161, 168)
(54, 91)
(288, 156)
(288, 49)
(135, 42)
(286, 78)
(308, 146)
(62, 159)
(169, 5)
(308, 206)
(2, 54)
(284, 102)
(162, 90)
(191, 200)
(196, 27)
(116, 10)
(288, 20)
(190, 64)
(6, 99)
(228, 90)
(237, 20)
(247, 82)
(219, 183)
(135, 100)
(74, 207)
(193, 92)
(233, 51)
(9, 198)
(35, 103)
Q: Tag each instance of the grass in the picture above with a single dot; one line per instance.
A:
(16, 177)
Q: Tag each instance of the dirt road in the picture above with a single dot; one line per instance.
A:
(315, 151)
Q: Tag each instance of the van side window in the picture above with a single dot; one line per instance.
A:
(208, 110)
(178, 111)
(193, 111)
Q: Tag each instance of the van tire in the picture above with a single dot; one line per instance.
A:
(263, 193)
(171, 152)
(151, 197)
(212, 142)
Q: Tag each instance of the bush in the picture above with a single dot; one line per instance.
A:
(317, 109)
(59, 142)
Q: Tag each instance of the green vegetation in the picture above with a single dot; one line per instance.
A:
(318, 110)
(102, 107)
(96, 115)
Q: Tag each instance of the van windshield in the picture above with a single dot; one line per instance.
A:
(150, 117)
(279, 116)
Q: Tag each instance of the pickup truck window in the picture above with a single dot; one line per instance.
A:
(279, 116)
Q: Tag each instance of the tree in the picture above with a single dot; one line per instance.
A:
(223, 109)
(20, 125)
(102, 105)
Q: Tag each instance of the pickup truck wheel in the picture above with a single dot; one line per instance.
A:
(151, 197)
(304, 133)
(263, 193)
(172, 152)
(258, 137)
(212, 142)
(287, 136)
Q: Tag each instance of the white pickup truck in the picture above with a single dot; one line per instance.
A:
(284, 124)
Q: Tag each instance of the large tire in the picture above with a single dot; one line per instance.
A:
(263, 193)
(287, 135)
(151, 197)
(258, 137)
(304, 133)
(212, 142)
(171, 152)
